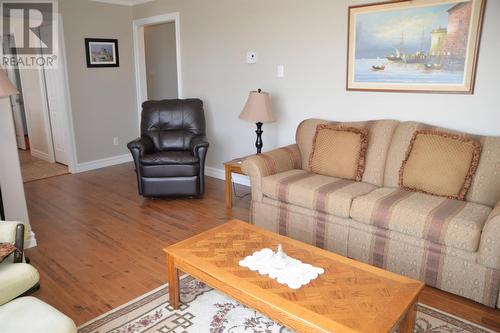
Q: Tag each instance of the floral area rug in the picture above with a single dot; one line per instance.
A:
(206, 310)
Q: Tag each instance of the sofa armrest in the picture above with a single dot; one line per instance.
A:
(197, 143)
(141, 146)
(16, 279)
(270, 163)
(489, 246)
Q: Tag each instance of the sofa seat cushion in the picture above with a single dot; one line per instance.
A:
(439, 220)
(317, 192)
(29, 314)
(169, 157)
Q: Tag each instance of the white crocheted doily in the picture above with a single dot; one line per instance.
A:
(286, 270)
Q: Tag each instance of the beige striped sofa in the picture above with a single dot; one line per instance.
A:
(449, 244)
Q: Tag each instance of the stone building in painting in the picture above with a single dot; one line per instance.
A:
(455, 45)
(438, 39)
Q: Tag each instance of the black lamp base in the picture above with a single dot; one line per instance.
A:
(2, 212)
(259, 142)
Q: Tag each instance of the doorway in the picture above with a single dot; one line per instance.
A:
(157, 58)
(161, 61)
(42, 115)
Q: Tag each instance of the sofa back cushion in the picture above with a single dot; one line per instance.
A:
(440, 164)
(339, 151)
(485, 186)
(379, 138)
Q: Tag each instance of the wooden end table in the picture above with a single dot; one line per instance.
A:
(350, 297)
(233, 166)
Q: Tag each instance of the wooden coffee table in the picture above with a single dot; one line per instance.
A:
(349, 297)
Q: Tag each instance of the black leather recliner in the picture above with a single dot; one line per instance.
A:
(170, 154)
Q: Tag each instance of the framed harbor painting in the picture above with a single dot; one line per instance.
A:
(414, 46)
(102, 52)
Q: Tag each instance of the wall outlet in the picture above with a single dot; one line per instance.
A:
(116, 142)
(251, 57)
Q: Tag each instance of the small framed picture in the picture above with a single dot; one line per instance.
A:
(102, 52)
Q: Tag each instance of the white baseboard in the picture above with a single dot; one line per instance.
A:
(102, 163)
(40, 155)
(105, 162)
(220, 174)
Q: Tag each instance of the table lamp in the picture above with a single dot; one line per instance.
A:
(6, 89)
(258, 110)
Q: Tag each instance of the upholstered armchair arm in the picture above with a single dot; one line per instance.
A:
(489, 246)
(141, 145)
(138, 148)
(199, 143)
(199, 147)
(14, 232)
(270, 163)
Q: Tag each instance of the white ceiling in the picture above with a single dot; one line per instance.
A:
(124, 2)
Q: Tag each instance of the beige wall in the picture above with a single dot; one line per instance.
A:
(102, 99)
(309, 38)
(161, 61)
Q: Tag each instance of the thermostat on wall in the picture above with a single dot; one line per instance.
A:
(251, 57)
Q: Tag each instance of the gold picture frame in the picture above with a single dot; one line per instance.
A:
(425, 46)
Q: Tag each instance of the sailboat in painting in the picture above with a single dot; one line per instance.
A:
(419, 57)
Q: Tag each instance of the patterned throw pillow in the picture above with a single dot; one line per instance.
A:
(339, 151)
(6, 249)
(440, 163)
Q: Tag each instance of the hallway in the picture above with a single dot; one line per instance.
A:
(33, 168)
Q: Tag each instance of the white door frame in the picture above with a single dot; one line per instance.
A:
(140, 55)
(73, 161)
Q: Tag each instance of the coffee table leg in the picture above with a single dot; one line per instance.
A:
(408, 324)
(173, 282)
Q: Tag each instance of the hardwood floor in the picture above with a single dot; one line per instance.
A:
(100, 244)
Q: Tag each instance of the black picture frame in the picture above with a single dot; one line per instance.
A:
(96, 64)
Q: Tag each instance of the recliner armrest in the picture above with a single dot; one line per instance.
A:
(198, 142)
(489, 246)
(143, 145)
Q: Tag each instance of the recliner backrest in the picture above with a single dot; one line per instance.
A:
(172, 123)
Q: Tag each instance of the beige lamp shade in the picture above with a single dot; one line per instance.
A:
(6, 87)
(258, 108)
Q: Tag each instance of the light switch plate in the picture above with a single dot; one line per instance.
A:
(251, 57)
(280, 71)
